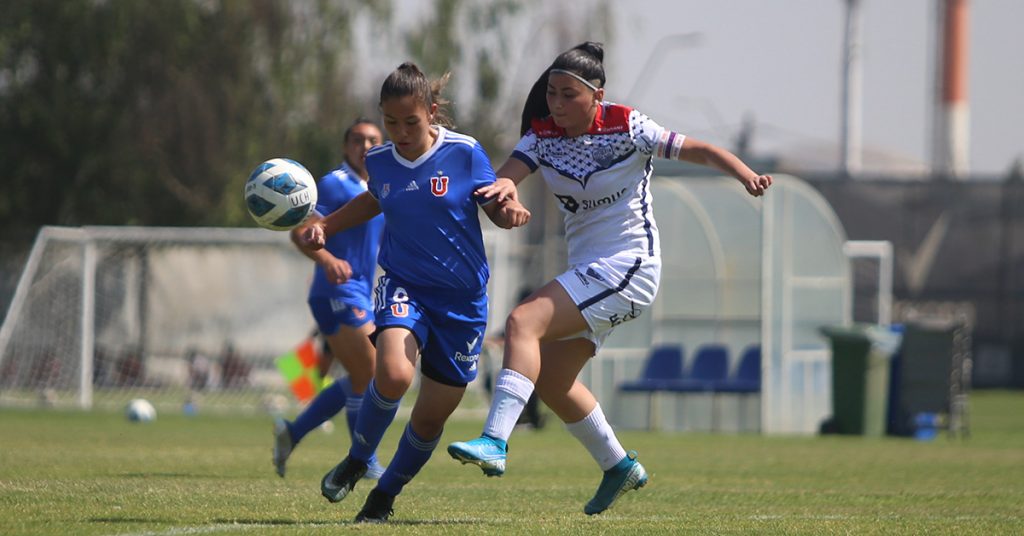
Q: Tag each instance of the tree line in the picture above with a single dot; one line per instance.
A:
(123, 112)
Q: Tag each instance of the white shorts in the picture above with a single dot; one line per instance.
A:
(611, 291)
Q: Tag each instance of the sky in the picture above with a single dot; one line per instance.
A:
(778, 62)
(775, 63)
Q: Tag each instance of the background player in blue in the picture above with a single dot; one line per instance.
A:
(431, 301)
(340, 298)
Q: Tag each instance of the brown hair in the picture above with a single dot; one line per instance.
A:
(407, 80)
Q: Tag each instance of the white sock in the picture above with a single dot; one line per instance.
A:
(598, 437)
(511, 391)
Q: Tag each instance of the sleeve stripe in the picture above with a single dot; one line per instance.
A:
(669, 145)
(677, 145)
(521, 156)
(379, 149)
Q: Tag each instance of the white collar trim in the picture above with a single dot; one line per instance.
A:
(425, 156)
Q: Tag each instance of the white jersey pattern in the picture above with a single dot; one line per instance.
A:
(602, 180)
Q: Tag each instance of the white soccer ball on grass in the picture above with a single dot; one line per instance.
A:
(140, 410)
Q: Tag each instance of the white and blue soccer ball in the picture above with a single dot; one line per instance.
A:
(140, 410)
(280, 194)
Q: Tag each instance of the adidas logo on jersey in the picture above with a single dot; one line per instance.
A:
(411, 186)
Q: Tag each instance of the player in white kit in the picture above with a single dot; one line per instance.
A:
(596, 157)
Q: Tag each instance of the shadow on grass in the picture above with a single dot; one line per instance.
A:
(137, 520)
(225, 522)
(410, 522)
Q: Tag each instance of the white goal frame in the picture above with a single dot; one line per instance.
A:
(48, 322)
(89, 237)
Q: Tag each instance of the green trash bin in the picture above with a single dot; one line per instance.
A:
(861, 355)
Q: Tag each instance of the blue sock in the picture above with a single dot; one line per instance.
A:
(412, 454)
(352, 407)
(375, 416)
(327, 404)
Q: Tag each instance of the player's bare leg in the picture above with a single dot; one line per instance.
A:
(547, 314)
(573, 402)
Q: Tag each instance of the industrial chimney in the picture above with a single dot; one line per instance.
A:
(951, 115)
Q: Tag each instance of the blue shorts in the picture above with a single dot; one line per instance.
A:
(448, 327)
(347, 307)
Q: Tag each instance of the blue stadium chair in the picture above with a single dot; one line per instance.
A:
(664, 366)
(748, 375)
(710, 368)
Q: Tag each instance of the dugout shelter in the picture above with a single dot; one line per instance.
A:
(739, 273)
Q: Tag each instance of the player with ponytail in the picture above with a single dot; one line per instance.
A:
(596, 158)
(431, 302)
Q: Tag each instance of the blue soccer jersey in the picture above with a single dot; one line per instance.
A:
(358, 246)
(432, 238)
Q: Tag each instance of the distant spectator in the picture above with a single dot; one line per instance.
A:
(234, 371)
(130, 369)
(198, 370)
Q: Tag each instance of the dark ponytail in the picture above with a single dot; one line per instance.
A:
(585, 60)
(407, 80)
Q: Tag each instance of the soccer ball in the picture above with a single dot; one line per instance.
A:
(140, 410)
(280, 194)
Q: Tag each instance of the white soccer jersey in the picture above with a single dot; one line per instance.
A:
(602, 179)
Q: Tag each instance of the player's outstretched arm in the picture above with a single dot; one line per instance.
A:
(360, 209)
(511, 173)
(699, 152)
(337, 270)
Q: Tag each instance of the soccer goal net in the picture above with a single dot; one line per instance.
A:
(183, 317)
(174, 315)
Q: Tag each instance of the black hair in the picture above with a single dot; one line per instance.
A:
(585, 59)
(359, 121)
(407, 80)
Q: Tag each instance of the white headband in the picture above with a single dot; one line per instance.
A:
(586, 82)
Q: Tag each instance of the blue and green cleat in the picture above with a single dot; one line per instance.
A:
(626, 475)
(486, 452)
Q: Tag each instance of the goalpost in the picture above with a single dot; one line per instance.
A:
(175, 315)
(104, 314)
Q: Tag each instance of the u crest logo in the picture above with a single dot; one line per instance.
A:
(400, 310)
(438, 186)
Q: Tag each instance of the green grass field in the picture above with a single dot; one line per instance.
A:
(96, 473)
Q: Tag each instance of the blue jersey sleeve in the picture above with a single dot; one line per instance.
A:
(328, 195)
(483, 172)
(371, 189)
